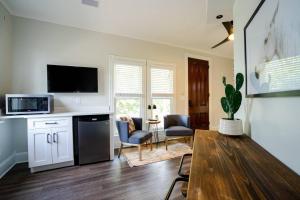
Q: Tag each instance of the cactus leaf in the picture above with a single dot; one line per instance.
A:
(229, 91)
(224, 104)
(237, 101)
(239, 81)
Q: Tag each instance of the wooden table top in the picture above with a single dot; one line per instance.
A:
(152, 122)
(226, 167)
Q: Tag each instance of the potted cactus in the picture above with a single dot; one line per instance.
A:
(231, 104)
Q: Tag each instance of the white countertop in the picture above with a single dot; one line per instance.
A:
(57, 114)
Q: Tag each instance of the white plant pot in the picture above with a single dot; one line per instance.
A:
(231, 127)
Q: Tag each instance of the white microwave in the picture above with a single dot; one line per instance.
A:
(20, 104)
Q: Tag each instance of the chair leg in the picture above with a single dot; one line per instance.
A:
(140, 152)
(192, 141)
(172, 186)
(120, 150)
(151, 143)
(166, 142)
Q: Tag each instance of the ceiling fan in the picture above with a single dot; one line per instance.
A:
(229, 28)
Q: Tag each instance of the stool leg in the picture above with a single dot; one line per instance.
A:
(172, 186)
(156, 132)
(151, 143)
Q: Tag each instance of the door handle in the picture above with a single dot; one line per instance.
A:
(55, 137)
(49, 140)
(190, 103)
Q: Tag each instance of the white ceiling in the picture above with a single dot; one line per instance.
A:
(186, 23)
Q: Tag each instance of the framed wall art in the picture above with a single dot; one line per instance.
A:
(272, 49)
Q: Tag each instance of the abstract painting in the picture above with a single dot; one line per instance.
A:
(272, 49)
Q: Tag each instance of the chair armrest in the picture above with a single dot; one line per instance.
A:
(123, 129)
(166, 125)
(138, 123)
(186, 121)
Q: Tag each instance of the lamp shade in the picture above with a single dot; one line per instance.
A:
(149, 107)
(154, 106)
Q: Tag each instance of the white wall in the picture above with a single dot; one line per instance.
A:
(272, 122)
(6, 138)
(36, 44)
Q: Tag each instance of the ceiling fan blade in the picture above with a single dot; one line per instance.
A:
(225, 40)
(228, 26)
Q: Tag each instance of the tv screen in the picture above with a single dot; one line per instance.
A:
(70, 79)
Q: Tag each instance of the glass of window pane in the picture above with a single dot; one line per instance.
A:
(163, 107)
(126, 106)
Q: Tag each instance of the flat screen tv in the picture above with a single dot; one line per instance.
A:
(71, 79)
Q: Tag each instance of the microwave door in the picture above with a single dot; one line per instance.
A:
(27, 105)
(24, 105)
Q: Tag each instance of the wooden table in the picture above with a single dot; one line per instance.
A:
(226, 167)
(155, 129)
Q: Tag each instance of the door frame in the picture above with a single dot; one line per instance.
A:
(186, 81)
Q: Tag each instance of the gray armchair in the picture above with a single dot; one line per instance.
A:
(176, 126)
(136, 138)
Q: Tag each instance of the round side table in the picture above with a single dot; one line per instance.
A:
(154, 124)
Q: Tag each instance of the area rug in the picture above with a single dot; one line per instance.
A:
(175, 149)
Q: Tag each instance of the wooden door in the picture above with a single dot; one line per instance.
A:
(198, 93)
(39, 147)
(62, 148)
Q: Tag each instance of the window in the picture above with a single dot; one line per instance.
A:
(162, 90)
(128, 87)
(138, 83)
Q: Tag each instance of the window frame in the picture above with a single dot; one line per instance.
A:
(150, 96)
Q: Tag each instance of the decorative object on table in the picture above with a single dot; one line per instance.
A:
(151, 108)
(136, 138)
(154, 124)
(157, 154)
(272, 49)
(231, 104)
(177, 126)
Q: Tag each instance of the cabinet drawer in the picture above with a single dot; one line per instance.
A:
(49, 123)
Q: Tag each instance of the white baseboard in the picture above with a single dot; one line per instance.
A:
(11, 161)
(7, 164)
(21, 157)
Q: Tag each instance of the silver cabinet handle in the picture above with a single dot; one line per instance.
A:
(55, 137)
(51, 123)
(49, 140)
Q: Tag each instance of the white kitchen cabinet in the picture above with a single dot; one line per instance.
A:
(50, 141)
(62, 148)
(40, 147)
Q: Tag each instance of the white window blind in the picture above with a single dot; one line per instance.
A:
(161, 81)
(128, 79)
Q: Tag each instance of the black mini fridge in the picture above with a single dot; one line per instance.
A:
(91, 139)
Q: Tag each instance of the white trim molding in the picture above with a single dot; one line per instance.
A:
(15, 158)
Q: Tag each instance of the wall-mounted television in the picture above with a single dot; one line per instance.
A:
(72, 79)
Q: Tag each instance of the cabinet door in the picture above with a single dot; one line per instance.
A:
(62, 147)
(39, 147)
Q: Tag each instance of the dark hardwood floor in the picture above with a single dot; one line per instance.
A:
(106, 180)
